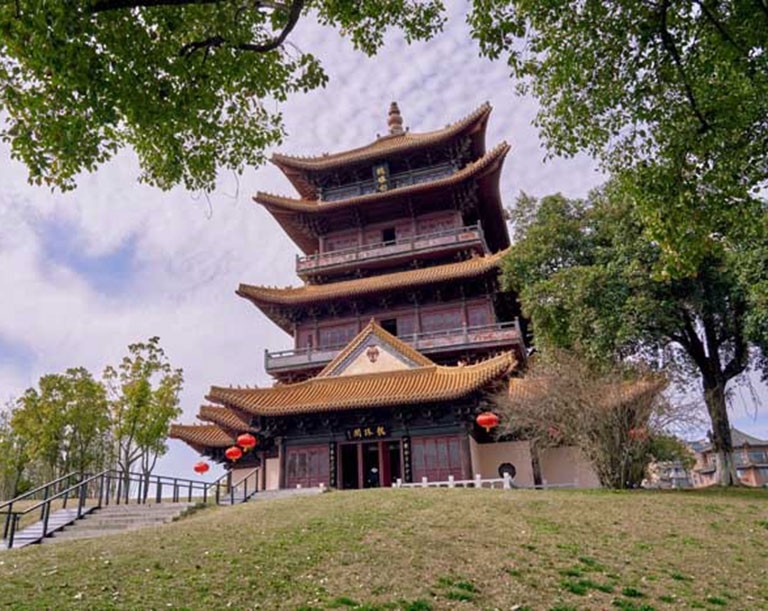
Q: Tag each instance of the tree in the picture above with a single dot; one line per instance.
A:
(12, 460)
(608, 414)
(144, 399)
(186, 83)
(585, 275)
(64, 422)
(670, 96)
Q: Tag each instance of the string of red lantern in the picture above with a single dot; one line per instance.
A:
(201, 467)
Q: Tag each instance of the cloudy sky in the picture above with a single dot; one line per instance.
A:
(84, 274)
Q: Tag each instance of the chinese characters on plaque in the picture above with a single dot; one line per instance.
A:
(381, 176)
(367, 432)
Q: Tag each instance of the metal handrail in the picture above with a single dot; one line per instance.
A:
(113, 486)
(357, 250)
(226, 481)
(13, 517)
(34, 491)
(411, 338)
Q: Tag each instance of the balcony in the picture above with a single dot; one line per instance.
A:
(471, 235)
(394, 181)
(453, 340)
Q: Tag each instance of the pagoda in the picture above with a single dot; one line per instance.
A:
(399, 328)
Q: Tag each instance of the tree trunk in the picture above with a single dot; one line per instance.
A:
(714, 397)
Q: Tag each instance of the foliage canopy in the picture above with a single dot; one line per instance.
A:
(186, 83)
(671, 96)
(585, 274)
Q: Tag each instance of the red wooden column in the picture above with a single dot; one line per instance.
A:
(360, 467)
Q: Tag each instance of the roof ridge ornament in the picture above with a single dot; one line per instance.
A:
(395, 120)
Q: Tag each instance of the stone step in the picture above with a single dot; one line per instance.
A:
(120, 518)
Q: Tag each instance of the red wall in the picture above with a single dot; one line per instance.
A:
(371, 234)
(438, 457)
(306, 466)
(432, 318)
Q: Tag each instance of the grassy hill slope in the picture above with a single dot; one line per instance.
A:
(418, 550)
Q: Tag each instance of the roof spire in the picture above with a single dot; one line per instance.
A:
(395, 121)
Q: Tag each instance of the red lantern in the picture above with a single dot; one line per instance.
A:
(247, 441)
(201, 467)
(487, 420)
(233, 453)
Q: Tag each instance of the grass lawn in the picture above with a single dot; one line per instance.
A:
(419, 550)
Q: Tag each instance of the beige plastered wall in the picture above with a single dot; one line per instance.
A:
(567, 466)
(487, 457)
(238, 475)
(273, 473)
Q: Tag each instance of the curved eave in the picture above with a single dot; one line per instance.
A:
(201, 435)
(289, 212)
(320, 293)
(385, 389)
(474, 124)
(226, 419)
(276, 302)
(486, 164)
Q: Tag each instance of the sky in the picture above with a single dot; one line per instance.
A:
(86, 273)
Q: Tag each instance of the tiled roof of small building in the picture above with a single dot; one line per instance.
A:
(291, 204)
(225, 417)
(202, 435)
(386, 389)
(536, 388)
(739, 439)
(315, 293)
(385, 145)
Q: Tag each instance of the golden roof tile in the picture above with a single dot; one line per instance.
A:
(279, 203)
(386, 389)
(202, 435)
(225, 417)
(386, 145)
(316, 293)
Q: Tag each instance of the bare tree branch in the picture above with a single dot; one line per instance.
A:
(101, 6)
(668, 42)
(217, 41)
(293, 18)
(720, 27)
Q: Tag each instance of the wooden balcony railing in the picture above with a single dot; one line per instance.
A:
(471, 234)
(498, 334)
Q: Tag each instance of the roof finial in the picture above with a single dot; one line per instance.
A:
(395, 121)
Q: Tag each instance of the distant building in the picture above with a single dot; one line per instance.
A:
(668, 474)
(749, 453)
(400, 329)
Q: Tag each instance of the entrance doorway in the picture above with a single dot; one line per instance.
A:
(371, 468)
(350, 476)
(369, 464)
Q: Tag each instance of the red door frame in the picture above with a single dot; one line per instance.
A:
(382, 445)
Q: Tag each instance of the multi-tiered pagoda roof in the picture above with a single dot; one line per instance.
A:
(399, 318)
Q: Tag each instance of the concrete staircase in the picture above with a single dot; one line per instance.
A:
(56, 522)
(97, 522)
(119, 518)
